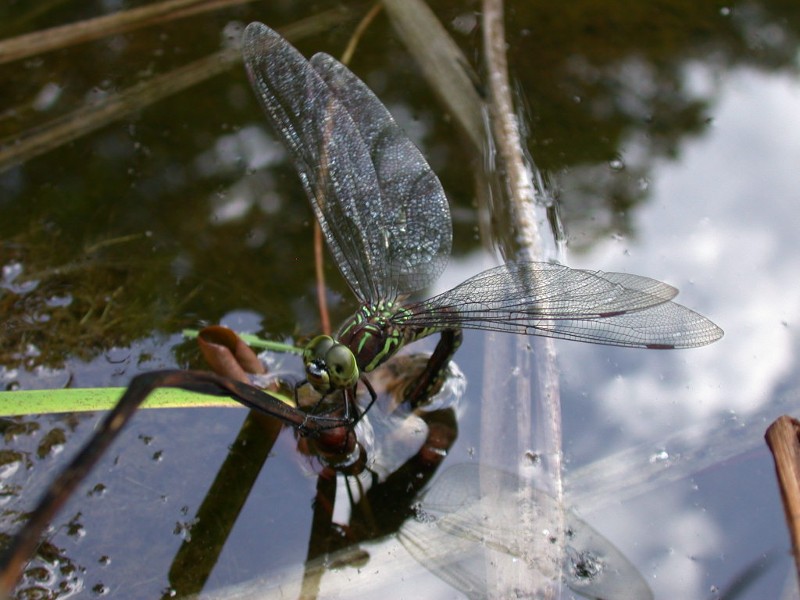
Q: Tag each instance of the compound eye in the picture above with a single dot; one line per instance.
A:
(317, 348)
(342, 367)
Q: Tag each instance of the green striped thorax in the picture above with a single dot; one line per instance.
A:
(367, 339)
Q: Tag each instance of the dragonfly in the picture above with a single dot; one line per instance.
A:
(386, 221)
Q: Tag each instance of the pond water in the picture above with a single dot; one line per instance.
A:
(668, 131)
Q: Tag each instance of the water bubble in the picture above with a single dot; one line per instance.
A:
(184, 529)
(117, 356)
(75, 528)
(586, 566)
(616, 164)
(98, 490)
(59, 301)
(232, 34)
(660, 456)
(52, 443)
(11, 271)
(465, 23)
(100, 589)
(533, 458)
(47, 97)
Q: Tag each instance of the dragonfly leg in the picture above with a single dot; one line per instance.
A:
(320, 417)
(432, 377)
(372, 397)
(297, 386)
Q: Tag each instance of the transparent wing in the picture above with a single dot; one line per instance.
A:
(382, 210)
(413, 216)
(555, 301)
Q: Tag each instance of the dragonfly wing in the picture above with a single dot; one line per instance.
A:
(552, 300)
(664, 326)
(412, 217)
(328, 152)
(645, 285)
(385, 239)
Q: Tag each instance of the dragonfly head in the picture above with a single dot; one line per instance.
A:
(329, 365)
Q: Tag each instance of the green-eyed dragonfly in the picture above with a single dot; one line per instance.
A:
(386, 221)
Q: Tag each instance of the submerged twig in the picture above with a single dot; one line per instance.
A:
(442, 63)
(88, 118)
(47, 40)
(541, 450)
(91, 117)
(358, 33)
(783, 439)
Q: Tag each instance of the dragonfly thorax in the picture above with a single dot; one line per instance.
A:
(372, 335)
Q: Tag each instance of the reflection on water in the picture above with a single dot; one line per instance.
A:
(473, 516)
(669, 130)
(178, 178)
